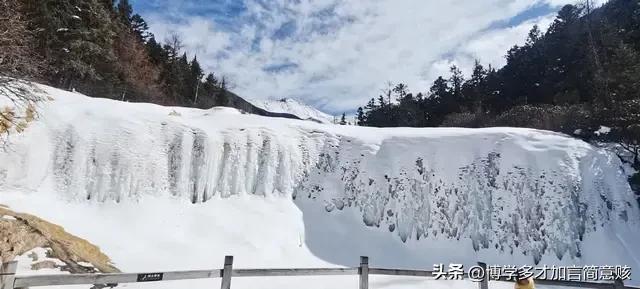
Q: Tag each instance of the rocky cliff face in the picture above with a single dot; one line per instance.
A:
(25, 234)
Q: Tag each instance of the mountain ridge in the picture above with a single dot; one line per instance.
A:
(293, 106)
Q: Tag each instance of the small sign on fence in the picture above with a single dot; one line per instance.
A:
(149, 277)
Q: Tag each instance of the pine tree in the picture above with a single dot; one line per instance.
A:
(157, 54)
(565, 53)
(440, 88)
(124, 10)
(360, 117)
(183, 82)
(108, 4)
(381, 102)
(76, 37)
(401, 90)
(343, 119)
(439, 101)
(18, 44)
(371, 105)
(456, 80)
(223, 97)
(475, 89)
(140, 28)
(534, 36)
(195, 78)
(210, 83)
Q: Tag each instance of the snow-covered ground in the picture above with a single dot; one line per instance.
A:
(292, 106)
(162, 188)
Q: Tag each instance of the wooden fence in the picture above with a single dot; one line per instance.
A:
(9, 280)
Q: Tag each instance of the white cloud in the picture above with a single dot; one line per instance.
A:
(344, 51)
(199, 36)
(490, 47)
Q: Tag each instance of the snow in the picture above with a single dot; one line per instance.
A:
(170, 188)
(292, 106)
(34, 256)
(625, 155)
(602, 130)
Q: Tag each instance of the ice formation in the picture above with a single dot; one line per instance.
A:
(529, 191)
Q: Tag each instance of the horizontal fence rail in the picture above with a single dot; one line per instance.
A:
(400, 272)
(8, 279)
(115, 278)
(294, 272)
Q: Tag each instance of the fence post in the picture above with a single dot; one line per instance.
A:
(227, 271)
(8, 274)
(364, 272)
(484, 283)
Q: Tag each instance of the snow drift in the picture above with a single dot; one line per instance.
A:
(505, 191)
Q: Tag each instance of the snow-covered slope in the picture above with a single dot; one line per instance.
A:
(292, 106)
(176, 188)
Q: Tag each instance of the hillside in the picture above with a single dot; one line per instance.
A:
(232, 100)
(104, 49)
(160, 188)
(295, 107)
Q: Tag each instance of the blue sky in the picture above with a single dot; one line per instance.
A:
(336, 54)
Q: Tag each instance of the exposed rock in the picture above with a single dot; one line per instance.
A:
(47, 264)
(25, 232)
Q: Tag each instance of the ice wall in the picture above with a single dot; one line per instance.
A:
(178, 161)
(488, 188)
(514, 190)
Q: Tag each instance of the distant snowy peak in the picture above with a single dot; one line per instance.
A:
(295, 107)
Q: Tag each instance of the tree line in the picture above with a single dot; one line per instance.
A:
(104, 49)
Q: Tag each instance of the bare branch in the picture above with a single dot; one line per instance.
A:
(18, 102)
